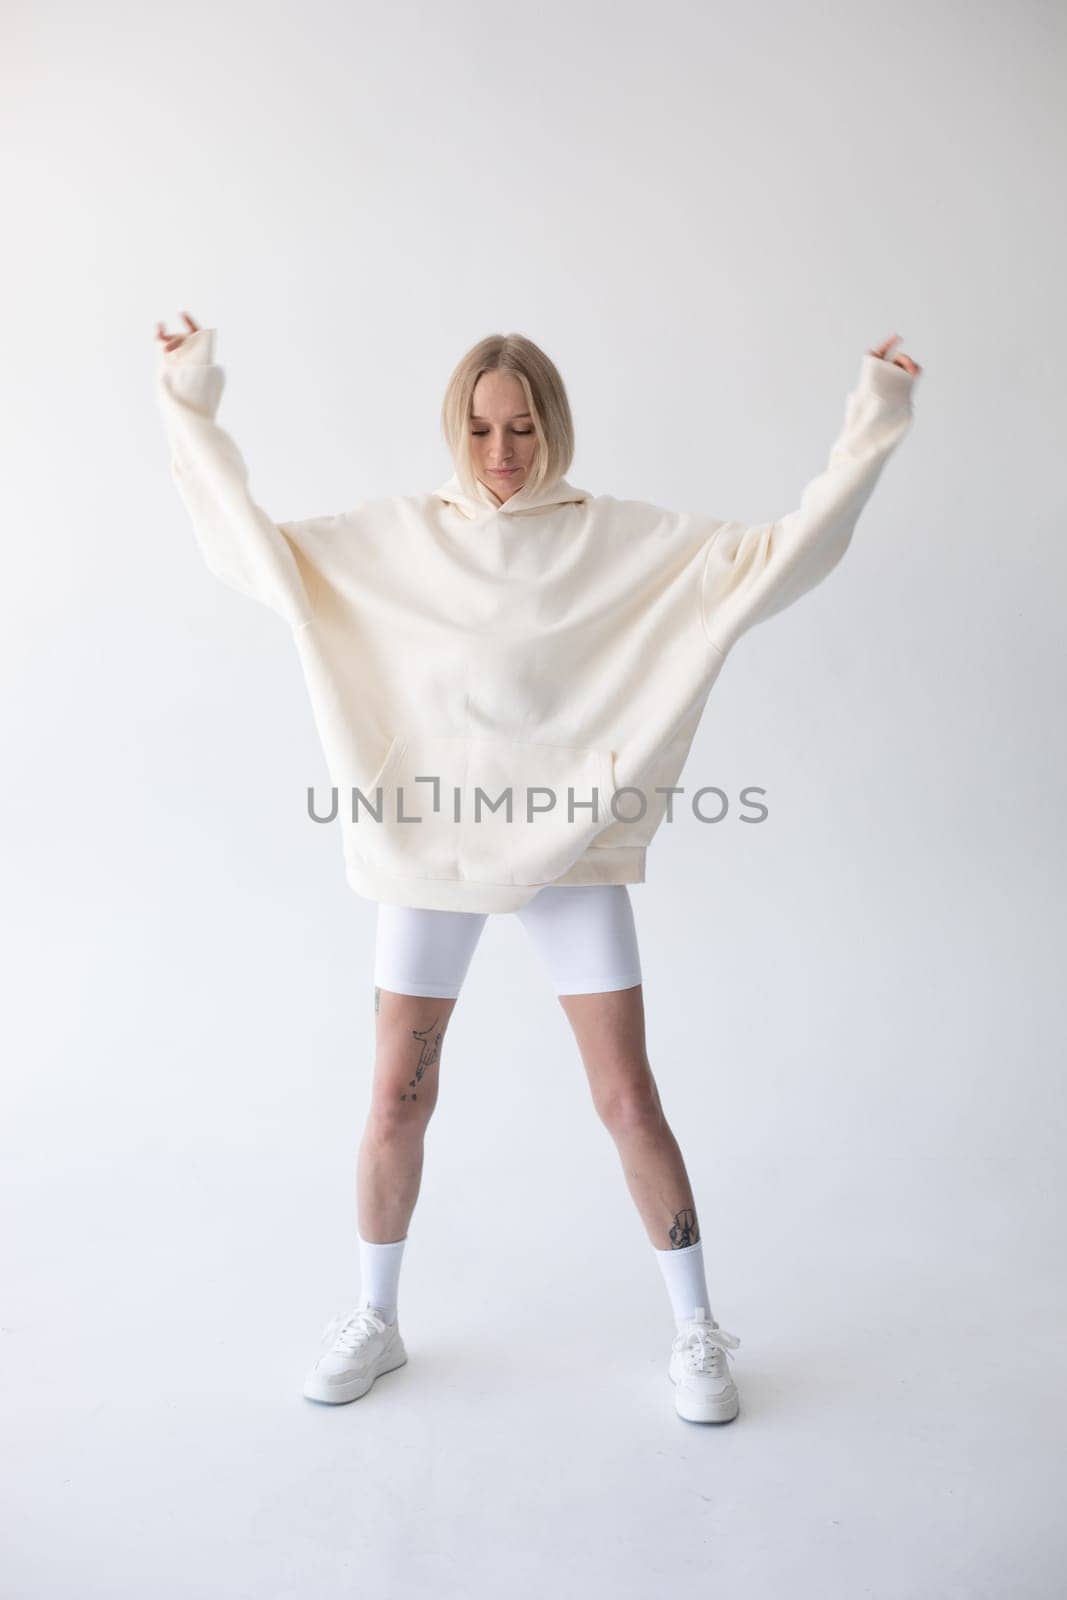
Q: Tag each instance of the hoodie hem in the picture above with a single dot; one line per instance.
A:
(616, 864)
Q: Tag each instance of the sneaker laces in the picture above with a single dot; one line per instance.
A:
(704, 1346)
(348, 1331)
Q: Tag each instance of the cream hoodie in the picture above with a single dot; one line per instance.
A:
(505, 693)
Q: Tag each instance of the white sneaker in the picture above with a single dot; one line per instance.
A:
(362, 1345)
(704, 1391)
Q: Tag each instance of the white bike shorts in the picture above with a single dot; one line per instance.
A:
(583, 933)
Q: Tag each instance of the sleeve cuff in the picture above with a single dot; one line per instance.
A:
(885, 379)
(198, 349)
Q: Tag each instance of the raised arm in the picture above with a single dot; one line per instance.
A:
(239, 542)
(752, 572)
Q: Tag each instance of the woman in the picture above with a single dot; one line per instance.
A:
(511, 630)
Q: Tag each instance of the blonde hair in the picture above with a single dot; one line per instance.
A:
(546, 401)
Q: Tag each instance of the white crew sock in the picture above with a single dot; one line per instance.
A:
(379, 1274)
(683, 1273)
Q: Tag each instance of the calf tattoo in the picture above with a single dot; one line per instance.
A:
(377, 998)
(685, 1230)
(429, 1048)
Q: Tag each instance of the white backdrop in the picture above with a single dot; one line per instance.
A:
(704, 214)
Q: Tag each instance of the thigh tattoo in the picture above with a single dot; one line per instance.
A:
(429, 1048)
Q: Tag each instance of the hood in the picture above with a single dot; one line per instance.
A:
(558, 493)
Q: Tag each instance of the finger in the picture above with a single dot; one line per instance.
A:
(193, 327)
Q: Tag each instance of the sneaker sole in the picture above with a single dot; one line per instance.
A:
(724, 1410)
(339, 1394)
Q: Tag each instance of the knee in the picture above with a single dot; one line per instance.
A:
(631, 1108)
(400, 1119)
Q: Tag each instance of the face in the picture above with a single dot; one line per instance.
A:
(502, 434)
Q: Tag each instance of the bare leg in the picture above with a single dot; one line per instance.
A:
(610, 1033)
(409, 1033)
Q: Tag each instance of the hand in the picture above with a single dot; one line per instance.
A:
(898, 360)
(173, 341)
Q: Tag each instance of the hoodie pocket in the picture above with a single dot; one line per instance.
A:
(483, 810)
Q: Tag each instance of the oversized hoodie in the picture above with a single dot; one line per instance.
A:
(506, 693)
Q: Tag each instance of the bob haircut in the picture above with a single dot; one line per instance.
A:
(546, 401)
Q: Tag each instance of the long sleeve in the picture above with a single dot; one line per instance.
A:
(239, 542)
(752, 572)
